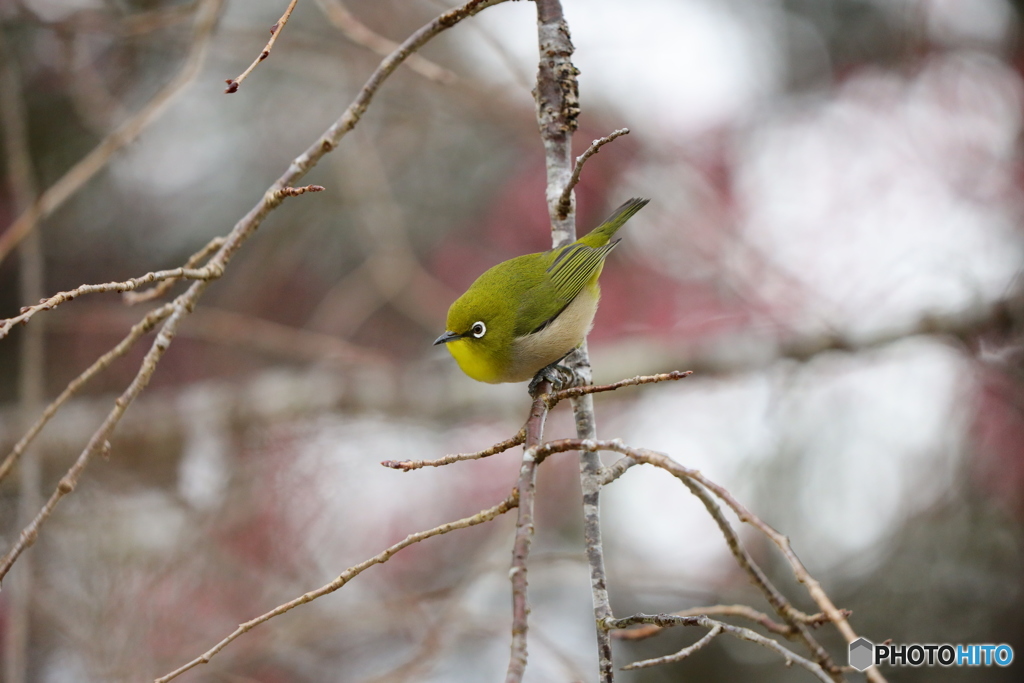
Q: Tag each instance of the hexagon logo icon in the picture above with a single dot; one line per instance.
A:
(862, 654)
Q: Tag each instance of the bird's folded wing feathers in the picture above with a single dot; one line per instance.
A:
(574, 266)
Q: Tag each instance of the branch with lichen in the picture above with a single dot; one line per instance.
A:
(714, 628)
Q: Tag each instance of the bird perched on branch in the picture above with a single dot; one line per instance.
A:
(524, 315)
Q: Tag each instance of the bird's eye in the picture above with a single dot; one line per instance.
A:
(478, 329)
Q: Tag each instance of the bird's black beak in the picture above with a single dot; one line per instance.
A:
(447, 337)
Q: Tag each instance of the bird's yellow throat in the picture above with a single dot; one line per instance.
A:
(477, 365)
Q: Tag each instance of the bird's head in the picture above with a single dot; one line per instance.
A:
(479, 333)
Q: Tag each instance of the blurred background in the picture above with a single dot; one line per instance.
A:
(833, 245)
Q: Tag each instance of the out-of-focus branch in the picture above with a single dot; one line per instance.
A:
(98, 442)
(275, 31)
(346, 576)
(136, 24)
(237, 329)
(360, 34)
(245, 227)
(142, 327)
(565, 201)
(714, 627)
(391, 272)
(31, 359)
(88, 166)
(527, 488)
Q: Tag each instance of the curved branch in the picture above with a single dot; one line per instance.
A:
(142, 327)
(346, 576)
(565, 201)
(715, 627)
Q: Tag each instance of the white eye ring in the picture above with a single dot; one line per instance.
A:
(479, 329)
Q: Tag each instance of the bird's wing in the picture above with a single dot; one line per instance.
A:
(574, 266)
(558, 284)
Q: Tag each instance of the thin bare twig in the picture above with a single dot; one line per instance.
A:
(575, 392)
(711, 624)
(835, 615)
(500, 447)
(360, 34)
(205, 273)
(275, 31)
(527, 487)
(98, 441)
(132, 298)
(90, 164)
(678, 656)
(550, 400)
(745, 611)
(346, 576)
(565, 201)
(138, 330)
(296, 191)
(243, 229)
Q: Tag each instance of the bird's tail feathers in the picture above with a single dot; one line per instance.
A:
(600, 235)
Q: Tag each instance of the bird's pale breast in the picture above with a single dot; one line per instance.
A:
(534, 351)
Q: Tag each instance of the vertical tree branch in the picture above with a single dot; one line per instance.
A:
(527, 487)
(557, 97)
(31, 378)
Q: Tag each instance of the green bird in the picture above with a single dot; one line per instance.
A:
(526, 314)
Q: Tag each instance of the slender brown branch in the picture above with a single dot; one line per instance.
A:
(132, 298)
(346, 576)
(275, 31)
(356, 31)
(296, 191)
(711, 624)
(550, 400)
(104, 361)
(678, 656)
(565, 201)
(835, 615)
(500, 447)
(527, 488)
(745, 611)
(205, 273)
(574, 392)
(76, 177)
(98, 441)
(243, 229)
